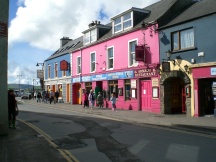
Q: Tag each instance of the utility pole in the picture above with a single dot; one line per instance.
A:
(19, 81)
(4, 13)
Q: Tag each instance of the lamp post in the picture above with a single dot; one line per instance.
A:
(19, 81)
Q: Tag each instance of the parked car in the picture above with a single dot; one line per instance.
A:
(26, 96)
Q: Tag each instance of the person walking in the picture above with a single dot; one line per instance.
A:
(91, 99)
(100, 100)
(113, 101)
(35, 94)
(52, 95)
(12, 104)
(39, 97)
(46, 96)
(85, 99)
(56, 96)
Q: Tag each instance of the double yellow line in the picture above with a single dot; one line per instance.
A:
(65, 153)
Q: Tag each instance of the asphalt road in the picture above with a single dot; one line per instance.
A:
(89, 138)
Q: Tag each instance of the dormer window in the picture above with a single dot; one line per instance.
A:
(90, 36)
(122, 23)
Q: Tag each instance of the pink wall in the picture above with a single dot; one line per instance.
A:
(120, 45)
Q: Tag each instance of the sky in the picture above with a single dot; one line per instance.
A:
(36, 27)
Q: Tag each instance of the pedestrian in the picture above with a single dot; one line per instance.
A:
(39, 96)
(56, 96)
(85, 99)
(52, 95)
(12, 105)
(100, 100)
(43, 96)
(113, 101)
(35, 95)
(47, 96)
(91, 99)
(32, 94)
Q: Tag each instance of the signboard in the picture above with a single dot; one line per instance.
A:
(3, 29)
(139, 53)
(40, 74)
(63, 65)
(166, 66)
(142, 73)
(213, 71)
(133, 84)
(155, 82)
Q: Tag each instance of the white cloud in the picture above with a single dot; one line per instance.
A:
(42, 23)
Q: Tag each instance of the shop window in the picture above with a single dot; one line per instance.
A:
(127, 89)
(60, 90)
(110, 58)
(182, 40)
(92, 68)
(113, 88)
(88, 86)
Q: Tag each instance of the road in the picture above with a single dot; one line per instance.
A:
(91, 138)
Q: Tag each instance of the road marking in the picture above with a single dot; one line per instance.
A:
(65, 153)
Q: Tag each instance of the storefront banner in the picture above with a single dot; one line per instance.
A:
(213, 71)
(145, 73)
(99, 77)
(75, 80)
(86, 78)
(120, 75)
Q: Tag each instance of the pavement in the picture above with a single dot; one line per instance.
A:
(25, 144)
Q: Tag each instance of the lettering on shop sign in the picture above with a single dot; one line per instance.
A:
(145, 73)
(213, 71)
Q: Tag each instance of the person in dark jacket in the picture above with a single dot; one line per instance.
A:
(12, 104)
(56, 96)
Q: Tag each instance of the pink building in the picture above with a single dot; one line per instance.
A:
(109, 63)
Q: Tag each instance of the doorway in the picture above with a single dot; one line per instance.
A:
(77, 93)
(146, 95)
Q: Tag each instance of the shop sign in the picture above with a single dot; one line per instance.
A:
(99, 77)
(139, 53)
(75, 80)
(213, 71)
(63, 65)
(40, 74)
(120, 75)
(86, 78)
(145, 73)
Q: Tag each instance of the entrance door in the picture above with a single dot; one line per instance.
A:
(146, 95)
(76, 94)
(68, 93)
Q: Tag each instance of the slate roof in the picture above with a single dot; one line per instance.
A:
(67, 48)
(197, 10)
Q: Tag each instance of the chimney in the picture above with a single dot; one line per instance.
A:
(64, 40)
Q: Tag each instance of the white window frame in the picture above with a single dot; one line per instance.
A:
(90, 36)
(56, 70)
(49, 72)
(79, 65)
(135, 63)
(122, 22)
(108, 65)
(91, 62)
(64, 74)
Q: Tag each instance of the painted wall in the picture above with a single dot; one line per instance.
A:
(120, 45)
(52, 63)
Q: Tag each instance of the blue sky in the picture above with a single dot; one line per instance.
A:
(36, 27)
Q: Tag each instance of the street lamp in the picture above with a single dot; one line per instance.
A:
(19, 81)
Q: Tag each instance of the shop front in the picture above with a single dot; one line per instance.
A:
(204, 76)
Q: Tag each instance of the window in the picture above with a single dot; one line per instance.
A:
(132, 60)
(123, 22)
(113, 88)
(78, 65)
(110, 58)
(63, 73)
(182, 40)
(92, 68)
(90, 36)
(49, 71)
(127, 89)
(56, 70)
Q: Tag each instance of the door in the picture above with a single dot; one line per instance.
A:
(146, 95)
(68, 93)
